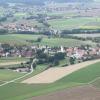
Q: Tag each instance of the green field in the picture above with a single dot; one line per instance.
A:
(20, 14)
(84, 75)
(96, 83)
(19, 91)
(12, 59)
(19, 39)
(85, 35)
(72, 23)
(7, 75)
(39, 69)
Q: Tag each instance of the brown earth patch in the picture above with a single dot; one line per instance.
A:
(76, 93)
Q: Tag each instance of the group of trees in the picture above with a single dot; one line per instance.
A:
(3, 31)
(2, 19)
(78, 31)
(50, 59)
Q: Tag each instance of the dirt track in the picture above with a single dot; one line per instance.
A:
(53, 74)
(77, 93)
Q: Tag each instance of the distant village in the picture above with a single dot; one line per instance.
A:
(14, 24)
(81, 52)
(26, 23)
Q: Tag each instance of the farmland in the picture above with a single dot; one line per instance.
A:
(50, 49)
(7, 75)
(12, 59)
(86, 35)
(84, 75)
(17, 39)
(19, 91)
(72, 23)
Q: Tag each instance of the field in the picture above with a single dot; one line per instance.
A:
(19, 91)
(72, 23)
(85, 35)
(74, 82)
(11, 62)
(19, 39)
(53, 74)
(85, 75)
(7, 75)
(76, 93)
(12, 59)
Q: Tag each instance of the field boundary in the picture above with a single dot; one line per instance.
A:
(94, 80)
(19, 77)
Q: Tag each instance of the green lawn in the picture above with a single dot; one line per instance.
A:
(18, 91)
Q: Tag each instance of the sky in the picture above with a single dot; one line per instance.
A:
(97, 0)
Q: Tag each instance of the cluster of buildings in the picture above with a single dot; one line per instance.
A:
(28, 51)
(83, 54)
(23, 51)
(18, 27)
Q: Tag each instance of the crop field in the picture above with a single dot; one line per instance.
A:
(19, 39)
(72, 23)
(19, 91)
(97, 83)
(20, 14)
(7, 75)
(85, 35)
(65, 14)
(57, 80)
(84, 75)
(12, 59)
(11, 62)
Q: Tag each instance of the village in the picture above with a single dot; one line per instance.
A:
(28, 51)
(48, 55)
(49, 49)
(25, 18)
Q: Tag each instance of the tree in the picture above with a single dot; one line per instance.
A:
(39, 39)
(22, 65)
(72, 60)
(31, 60)
(56, 62)
(59, 56)
(34, 66)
